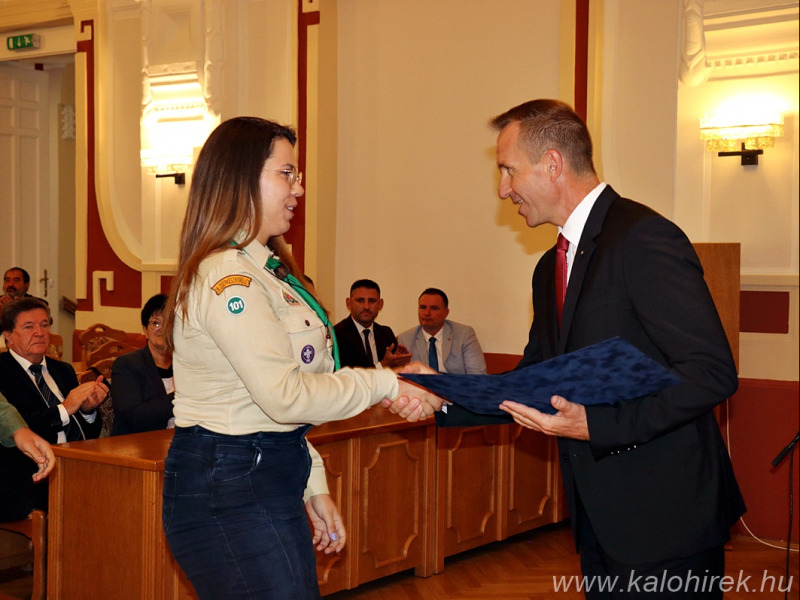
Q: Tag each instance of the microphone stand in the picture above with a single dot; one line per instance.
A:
(777, 460)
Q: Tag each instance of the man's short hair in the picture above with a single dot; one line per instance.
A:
(18, 306)
(154, 305)
(26, 278)
(546, 124)
(435, 292)
(365, 283)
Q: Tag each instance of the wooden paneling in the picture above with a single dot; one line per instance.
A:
(721, 266)
(532, 465)
(332, 571)
(469, 473)
(406, 503)
(395, 503)
(105, 502)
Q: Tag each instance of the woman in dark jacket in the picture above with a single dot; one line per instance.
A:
(141, 382)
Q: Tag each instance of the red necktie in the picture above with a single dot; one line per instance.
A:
(561, 273)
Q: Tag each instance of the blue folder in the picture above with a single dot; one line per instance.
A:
(604, 373)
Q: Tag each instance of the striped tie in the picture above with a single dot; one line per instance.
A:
(73, 430)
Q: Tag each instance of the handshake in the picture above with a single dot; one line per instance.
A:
(413, 403)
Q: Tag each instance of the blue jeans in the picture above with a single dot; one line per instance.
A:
(234, 517)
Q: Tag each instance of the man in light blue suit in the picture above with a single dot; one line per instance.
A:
(444, 345)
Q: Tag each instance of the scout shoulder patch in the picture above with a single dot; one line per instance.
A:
(289, 299)
(236, 305)
(230, 280)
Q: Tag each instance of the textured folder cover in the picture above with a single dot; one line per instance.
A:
(603, 373)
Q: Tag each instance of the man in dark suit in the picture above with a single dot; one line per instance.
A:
(47, 395)
(649, 483)
(362, 341)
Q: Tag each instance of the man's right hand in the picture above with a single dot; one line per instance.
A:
(87, 396)
(413, 403)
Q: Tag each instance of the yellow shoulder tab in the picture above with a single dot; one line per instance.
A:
(230, 280)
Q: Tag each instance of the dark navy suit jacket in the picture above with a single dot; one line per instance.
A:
(351, 343)
(18, 494)
(655, 479)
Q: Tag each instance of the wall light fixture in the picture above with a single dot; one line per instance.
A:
(734, 135)
(174, 122)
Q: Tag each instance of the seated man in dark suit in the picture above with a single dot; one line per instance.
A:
(362, 341)
(142, 386)
(47, 395)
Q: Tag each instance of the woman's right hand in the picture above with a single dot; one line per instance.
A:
(413, 403)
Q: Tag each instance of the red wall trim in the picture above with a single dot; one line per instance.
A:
(763, 419)
(581, 57)
(764, 312)
(296, 236)
(100, 257)
(501, 363)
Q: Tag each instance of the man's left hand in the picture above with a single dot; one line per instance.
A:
(396, 357)
(569, 421)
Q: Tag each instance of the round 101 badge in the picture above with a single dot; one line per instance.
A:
(236, 305)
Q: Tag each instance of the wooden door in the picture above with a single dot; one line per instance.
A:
(29, 223)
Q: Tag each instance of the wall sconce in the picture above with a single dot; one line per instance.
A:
(174, 122)
(180, 178)
(167, 163)
(725, 135)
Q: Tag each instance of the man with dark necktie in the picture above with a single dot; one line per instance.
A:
(47, 395)
(362, 341)
(443, 345)
(649, 484)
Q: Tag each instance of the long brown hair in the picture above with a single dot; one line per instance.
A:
(225, 199)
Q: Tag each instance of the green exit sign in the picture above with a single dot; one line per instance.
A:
(23, 42)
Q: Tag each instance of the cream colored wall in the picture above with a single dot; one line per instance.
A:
(719, 200)
(416, 197)
(636, 99)
(417, 202)
(401, 165)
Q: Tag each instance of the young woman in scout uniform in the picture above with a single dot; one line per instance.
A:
(255, 366)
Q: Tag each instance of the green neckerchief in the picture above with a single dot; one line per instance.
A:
(275, 267)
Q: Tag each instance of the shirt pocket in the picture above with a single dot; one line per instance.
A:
(307, 334)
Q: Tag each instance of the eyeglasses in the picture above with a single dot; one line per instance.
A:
(155, 324)
(292, 175)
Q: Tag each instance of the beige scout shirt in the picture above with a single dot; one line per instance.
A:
(253, 356)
